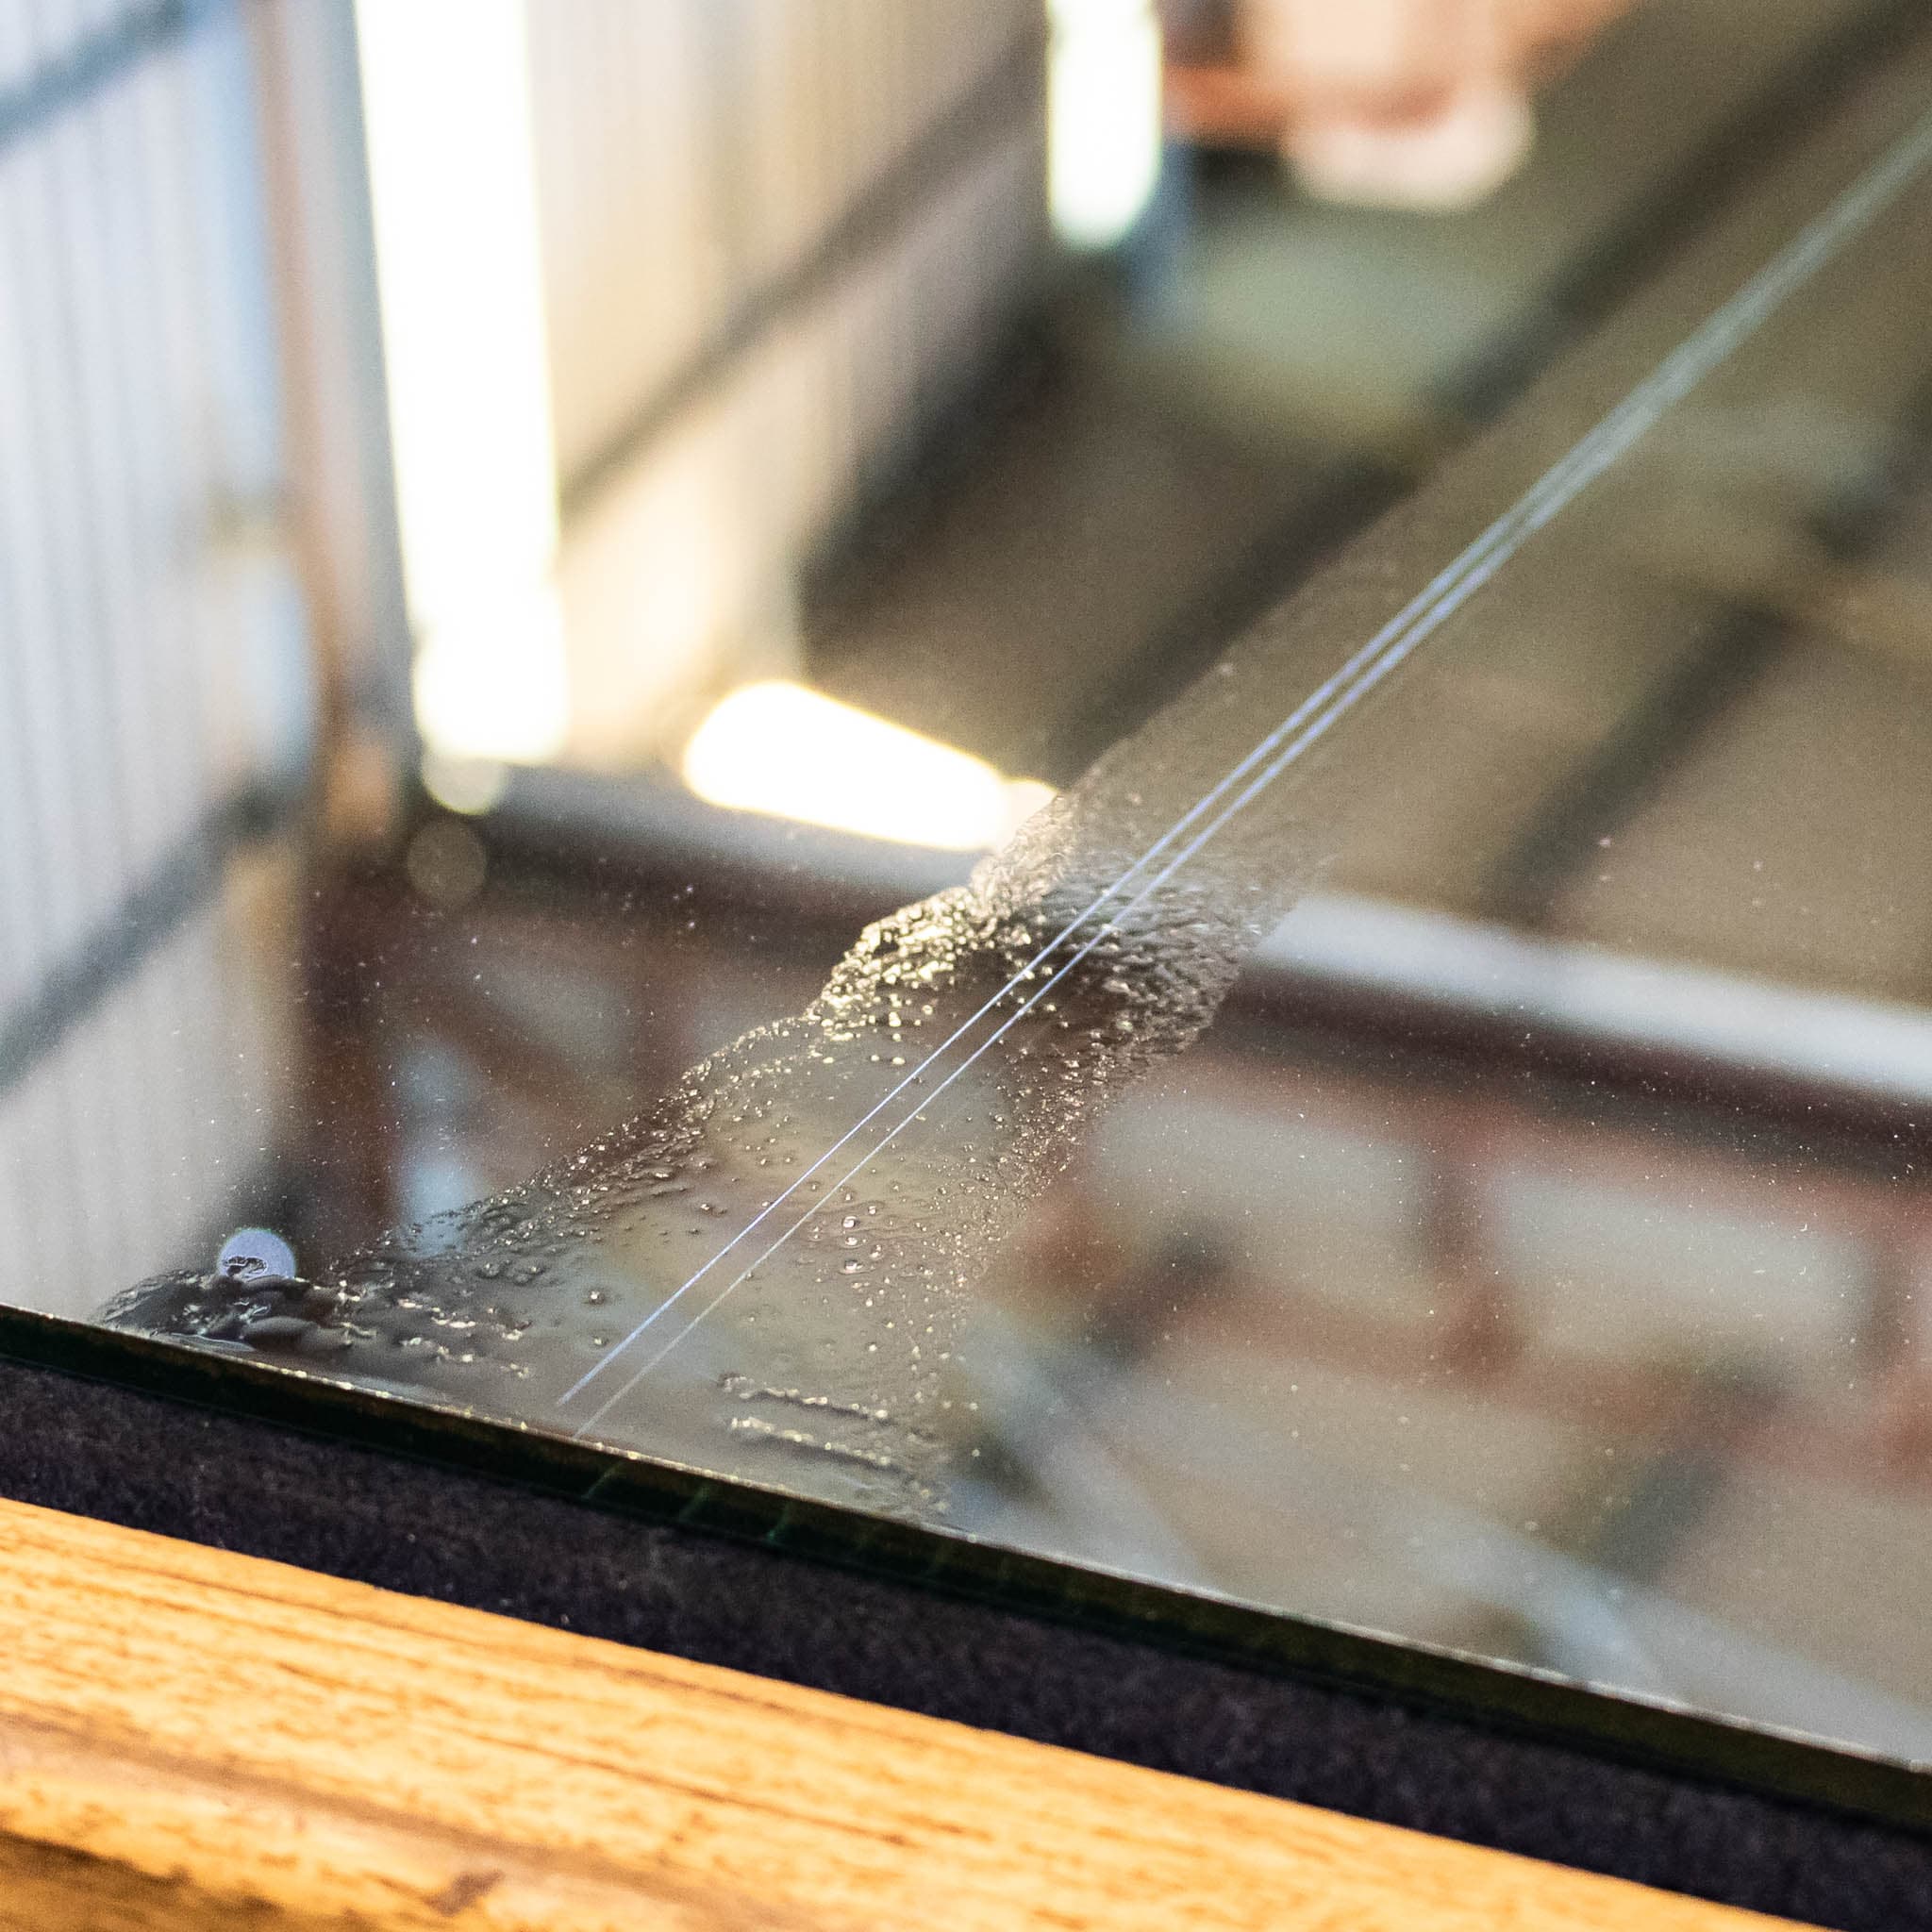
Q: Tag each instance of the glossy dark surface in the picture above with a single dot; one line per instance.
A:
(1423, 1136)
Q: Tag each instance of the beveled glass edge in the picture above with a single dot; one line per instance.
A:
(1441, 1683)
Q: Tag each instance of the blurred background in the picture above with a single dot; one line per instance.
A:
(524, 523)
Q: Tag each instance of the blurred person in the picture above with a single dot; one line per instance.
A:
(1391, 103)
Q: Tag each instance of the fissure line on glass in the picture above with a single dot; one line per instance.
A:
(1421, 605)
(1417, 607)
(1599, 448)
(1508, 528)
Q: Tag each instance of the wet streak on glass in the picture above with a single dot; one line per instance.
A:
(853, 1183)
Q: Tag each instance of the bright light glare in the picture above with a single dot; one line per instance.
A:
(470, 786)
(493, 686)
(779, 748)
(446, 99)
(1103, 118)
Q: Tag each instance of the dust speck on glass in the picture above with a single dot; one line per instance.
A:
(798, 757)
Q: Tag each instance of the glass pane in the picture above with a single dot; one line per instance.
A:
(752, 812)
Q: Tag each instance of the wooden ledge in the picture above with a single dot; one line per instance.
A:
(193, 1739)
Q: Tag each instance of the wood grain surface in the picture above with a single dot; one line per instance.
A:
(193, 1739)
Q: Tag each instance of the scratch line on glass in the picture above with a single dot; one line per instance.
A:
(1597, 451)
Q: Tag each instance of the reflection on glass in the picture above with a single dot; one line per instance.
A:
(456, 255)
(794, 753)
(1425, 1133)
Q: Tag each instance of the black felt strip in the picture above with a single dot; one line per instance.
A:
(152, 1463)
